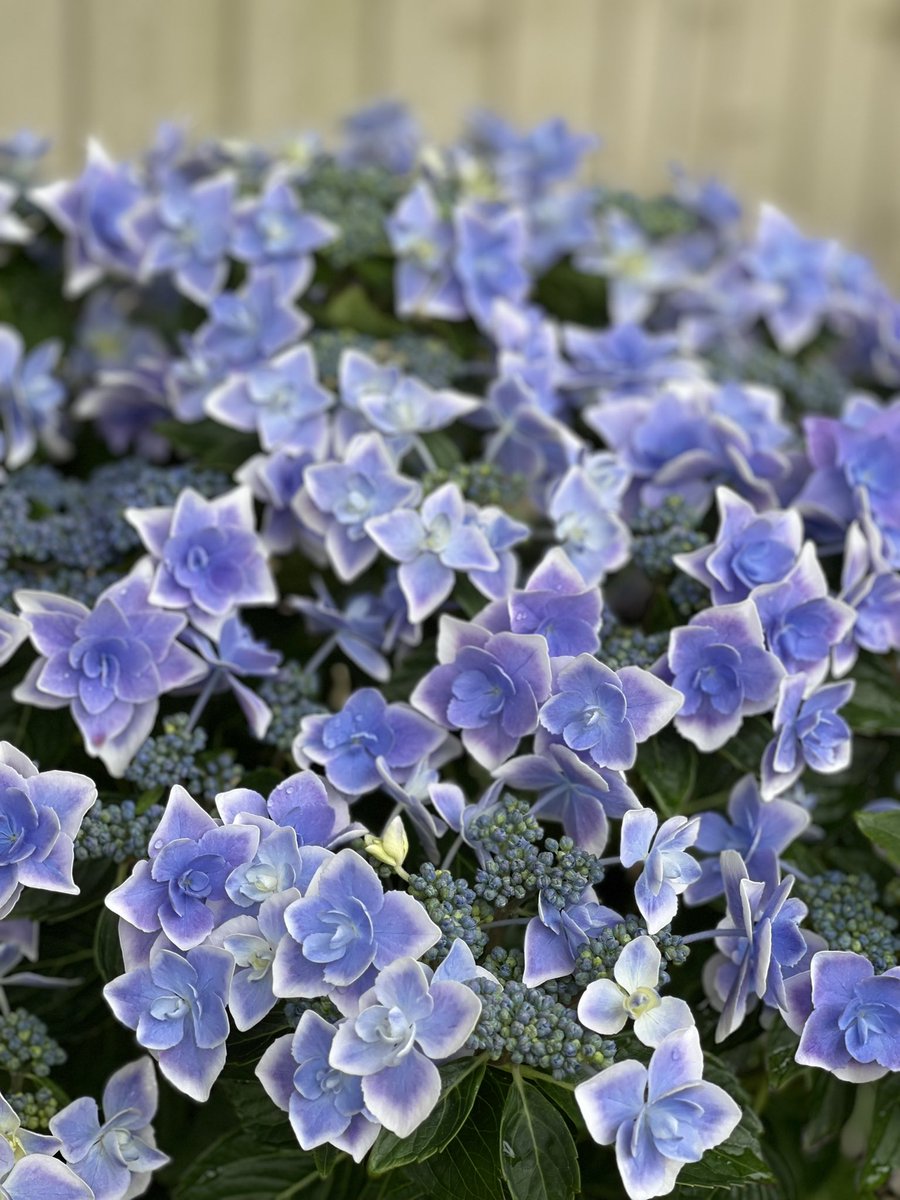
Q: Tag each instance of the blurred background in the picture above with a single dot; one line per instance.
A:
(793, 101)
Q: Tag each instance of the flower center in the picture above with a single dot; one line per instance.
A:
(642, 1000)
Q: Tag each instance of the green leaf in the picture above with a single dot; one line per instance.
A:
(209, 444)
(236, 1167)
(883, 829)
(745, 751)
(562, 1096)
(256, 1112)
(107, 951)
(327, 1158)
(883, 1149)
(831, 1105)
(537, 1151)
(875, 705)
(668, 766)
(780, 1050)
(461, 1081)
(736, 1163)
(353, 309)
(469, 1168)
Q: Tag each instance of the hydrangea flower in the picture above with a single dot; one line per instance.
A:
(604, 713)
(873, 591)
(39, 1175)
(607, 1004)
(425, 282)
(252, 941)
(809, 733)
(339, 498)
(489, 685)
(13, 633)
(625, 360)
(853, 1030)
(117, 1156)
(17, 1142)
(238, 653)
(405, 1021)
(207, 555)
(325, 1105)
(668, 870)
(554, 936)
(660, 1117)
(382, 134)
(31, 400)
(282, 401)
(191, 856)
(176, 1004)
(432, 545)
(40, 814)
(367, 728)
(491, 243)
(345, 924)
(300, 802)
(719, 664)
(756, 827)
(273, 232)
(750, 549)
(526, 440)
(588, 527)
(13, 230)
(793, 268)
(93, 213)
(186, 233)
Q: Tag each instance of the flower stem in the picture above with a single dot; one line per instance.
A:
(203, 699)
(321, 654)
(451, 853)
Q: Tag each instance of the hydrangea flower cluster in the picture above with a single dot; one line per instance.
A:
(449, 701)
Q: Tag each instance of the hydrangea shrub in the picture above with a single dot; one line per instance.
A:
(449, 630)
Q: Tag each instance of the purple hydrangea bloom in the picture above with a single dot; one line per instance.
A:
(872, 590)
(117, 1156)
(275, 479)
(301, 802)
(383, 134)
(502, 533)
(556, 603)
(367, 728)
(489, 685)
(186, 232)
(340, 497)
(127, 405)
(246, 328)
(660, 1117)
(279, 863)
(345, 924)
(794, 270)
(526, 439)
(625, 360)
(176, 1004)
(809, 733)
(756, 827)
(720, 666)
(554, 936)
(13, 633)
(40, 814)
(252, 941)
(110, 663)
(208, 557)
(191, 857)
(432, 545)
(853, 1030)
(607, 1004)
(668, 870)
(528, 164)
(759, 944)
(38, 1175)
(239, 653)
(31, 400)
(750, 549)
(588, 527)
(604, 713)
(581, 797)
(425, 283)
(283, 402)
(405, 1021)
(13, 230)
(273, 232)
(491, 243)
(800, 620)
(17, 1142)
(92, 212)
(325, 1105)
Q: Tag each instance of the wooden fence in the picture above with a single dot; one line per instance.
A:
(796, 101)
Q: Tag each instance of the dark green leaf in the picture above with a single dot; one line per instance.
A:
(461, 1081)
(562, 1096)
(780, 1050)
(668, 766)
(882, 828)
(353, 309)
(875, 704)
(236, 1167)
(107, 951)
(537, 1152)
(831, 1105)
(883, 1150)
(257, 1114)
(736, 1163)
(327, 1157)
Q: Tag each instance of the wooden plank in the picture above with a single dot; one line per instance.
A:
(879, 211)
(552, 62)
(33, 77)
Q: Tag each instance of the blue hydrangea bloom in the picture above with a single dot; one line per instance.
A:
(325, 1105)
(491, 242)
(239, 653)
(13, 634)
(607, 1005)
(660, 1117)
(252, 941)
(526, 440)
(502, 533)
(39, 1175)
(208, 557)
(345, 924)
(625, 360)
(110, 664)
(425, 283)
(756, 827)
(382, 134)
(604, 713)
(750, 549)
(588, 527)
(40, 814)
(191, 857)
(31, 400)
(720, 666)
(668, 870)
(340, 497)
(872, 590)
(554, 936)
(367, 728)
(282, 401)
(273, 232)
(247, 327)
(117, 1156)
(186, 234)
(17, 1142)
(809, 733)
(489, 685)
(176, 1004)
(302, 803)
(405, 1021)
(794, 269)
(853, 1030)
(431, 546)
